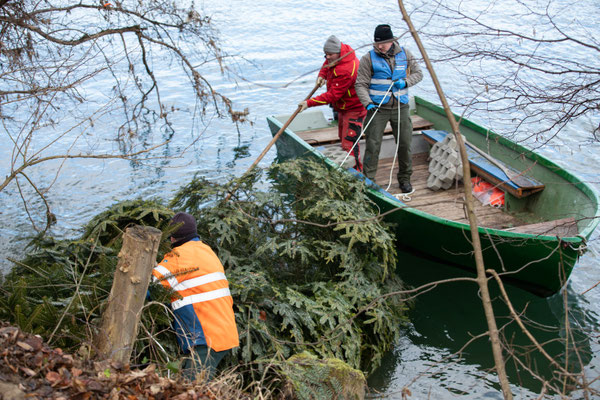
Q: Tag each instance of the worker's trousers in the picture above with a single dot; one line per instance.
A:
(201, 363)
(374, 136)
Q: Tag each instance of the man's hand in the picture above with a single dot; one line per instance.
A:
(321, 81)
(303, 105)
(400, 84)
(371, 106)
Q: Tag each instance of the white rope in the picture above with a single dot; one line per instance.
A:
(399, 196)
(404, 196)
(363, 128)
(396, 152)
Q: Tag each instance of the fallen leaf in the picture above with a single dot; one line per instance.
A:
(132, 376)
(35, 342)
(53, 377)
(150, 368)
(79, 384)
(24, 346)
(28, 371)
(96, 386)
(155, 389)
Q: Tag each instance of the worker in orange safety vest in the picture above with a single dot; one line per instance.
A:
(203, 307)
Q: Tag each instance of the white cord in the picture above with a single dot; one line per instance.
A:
(399, 196)
(396, 152)
(363, 128)
(404, 196)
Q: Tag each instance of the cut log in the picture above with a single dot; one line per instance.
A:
(119, 326)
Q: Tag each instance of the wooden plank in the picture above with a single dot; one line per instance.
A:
(564, 227)
(330, 135)
(420, 123)
(491, 172)
(320, 136)
(448, 204)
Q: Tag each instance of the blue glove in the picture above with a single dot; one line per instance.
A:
(371, 106)
(400, 84)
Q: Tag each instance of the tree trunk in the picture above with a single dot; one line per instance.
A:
(481, 277)
(119, 326)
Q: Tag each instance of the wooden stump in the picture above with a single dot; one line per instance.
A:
(119, 326)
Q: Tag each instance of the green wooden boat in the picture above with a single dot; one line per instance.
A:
(533, 241)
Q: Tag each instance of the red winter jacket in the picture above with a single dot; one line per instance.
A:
(340, 83)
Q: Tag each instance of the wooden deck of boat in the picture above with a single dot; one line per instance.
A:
(330, 135)
(449, 204)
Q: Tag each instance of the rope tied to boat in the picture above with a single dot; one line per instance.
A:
(364, 127)
(404, 196)
(581, 248)
(399, 196)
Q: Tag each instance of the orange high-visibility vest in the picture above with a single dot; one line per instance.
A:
(203, 308)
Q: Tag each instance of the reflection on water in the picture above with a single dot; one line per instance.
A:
(442, 352)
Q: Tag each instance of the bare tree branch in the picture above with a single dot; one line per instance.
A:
(68, 68)
(549, 78)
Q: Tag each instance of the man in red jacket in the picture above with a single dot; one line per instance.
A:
(339, 72)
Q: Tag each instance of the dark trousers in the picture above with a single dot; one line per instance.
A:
(201, 363)
(374, 133)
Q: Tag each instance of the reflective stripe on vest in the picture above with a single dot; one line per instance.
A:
(199, 281)
(167, 275)
(200, 298)
(383, 77)
(193, 283)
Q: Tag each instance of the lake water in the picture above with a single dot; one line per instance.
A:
(279, 49)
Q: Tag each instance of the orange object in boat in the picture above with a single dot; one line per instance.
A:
(487, 193)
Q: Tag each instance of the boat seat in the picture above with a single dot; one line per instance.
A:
(489, 171)
(330, 135)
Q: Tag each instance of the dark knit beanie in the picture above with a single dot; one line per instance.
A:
(332, 45)
(383, 33)
(185, 231)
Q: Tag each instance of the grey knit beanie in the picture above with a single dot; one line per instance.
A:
(332, 45)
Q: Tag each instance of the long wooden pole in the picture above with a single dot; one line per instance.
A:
(272, 142)
(481, 277)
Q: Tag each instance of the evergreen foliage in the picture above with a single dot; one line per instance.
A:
(307, 262)
(298, 285)
(62, 284)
